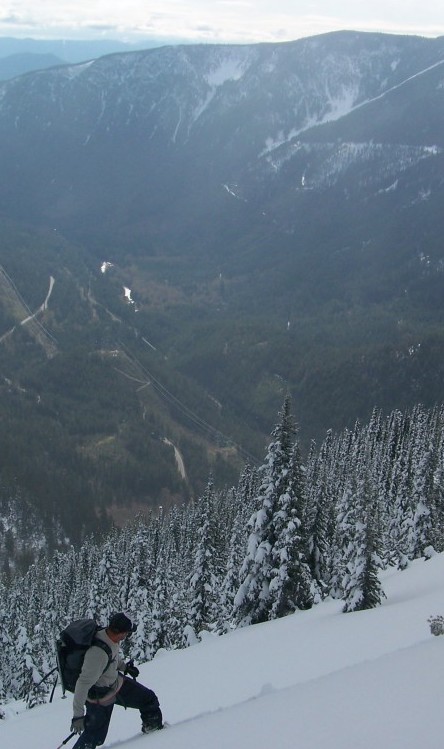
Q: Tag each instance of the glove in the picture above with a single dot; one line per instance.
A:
(131, 669)
(78, 724)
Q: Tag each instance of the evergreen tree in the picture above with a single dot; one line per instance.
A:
(275, 577)
(401, 519)
(292, 586)
(203, 580)
(104, 590)
(361, 584)
(158, 634)
(28, 676)
(321, 516)
(437, 535)
(423, 466)
(137, 589)
(230, 584)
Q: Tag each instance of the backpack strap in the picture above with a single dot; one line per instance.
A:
(106, 648)
(95, 692)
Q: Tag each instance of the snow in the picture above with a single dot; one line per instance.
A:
(228, 69)
(72, 71)
(337, 106)
(127, 293)
(318, 679)
(341, 105)
(178, 458)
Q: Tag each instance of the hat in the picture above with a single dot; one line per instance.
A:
(120, 623)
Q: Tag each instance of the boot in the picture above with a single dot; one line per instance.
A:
(148, 728)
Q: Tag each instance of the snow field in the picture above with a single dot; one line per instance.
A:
(318, 679)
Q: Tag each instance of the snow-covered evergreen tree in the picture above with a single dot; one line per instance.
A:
(28, 677)
(230, 583)
(203, 580)
(423, 467)
(400, 526)
(104, 587)
(437, 489)
(320, 516)
(275, 577)
(291, 586)
(361, 584)
(158, 633)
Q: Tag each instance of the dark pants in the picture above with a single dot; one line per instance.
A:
(131, 694)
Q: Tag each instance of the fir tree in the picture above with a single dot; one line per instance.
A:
(230, 584)
(361, 584)
(292, 586)
(423, 466)
(321, 516)
(203, 581)
(275, 578)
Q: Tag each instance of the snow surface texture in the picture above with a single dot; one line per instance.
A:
(318, 679)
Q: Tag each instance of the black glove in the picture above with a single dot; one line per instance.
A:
(78, 724)
(131, 669)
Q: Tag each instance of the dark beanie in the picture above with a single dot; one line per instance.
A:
(120, 623)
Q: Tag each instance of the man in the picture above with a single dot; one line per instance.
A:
(100, 686)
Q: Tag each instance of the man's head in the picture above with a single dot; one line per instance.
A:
(119, 626)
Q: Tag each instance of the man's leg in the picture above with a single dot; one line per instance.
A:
(134, 694)
(96, 726)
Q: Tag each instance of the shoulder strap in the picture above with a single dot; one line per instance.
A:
(106, 648)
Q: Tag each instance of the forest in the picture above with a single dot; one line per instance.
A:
(289, 534)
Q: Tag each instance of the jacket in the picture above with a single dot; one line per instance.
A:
(93, 674)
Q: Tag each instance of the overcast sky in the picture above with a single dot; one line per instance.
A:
(215, 20)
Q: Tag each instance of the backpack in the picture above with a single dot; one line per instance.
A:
(71, 647)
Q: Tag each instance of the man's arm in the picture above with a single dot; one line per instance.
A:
(94, 664)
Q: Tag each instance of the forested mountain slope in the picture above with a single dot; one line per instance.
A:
(270, 220)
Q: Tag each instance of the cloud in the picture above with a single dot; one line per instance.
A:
(219, 20)
(9, 19)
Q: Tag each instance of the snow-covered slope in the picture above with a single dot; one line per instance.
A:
(318, 679)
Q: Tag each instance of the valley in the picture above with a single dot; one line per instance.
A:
(270, 220)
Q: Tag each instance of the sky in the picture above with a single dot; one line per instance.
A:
(215, 20)
(317, 679)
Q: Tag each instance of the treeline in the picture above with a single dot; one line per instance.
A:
(286, 537)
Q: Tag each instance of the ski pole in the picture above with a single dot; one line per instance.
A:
(68, 738)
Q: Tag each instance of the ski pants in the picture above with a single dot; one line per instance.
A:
(130, 694)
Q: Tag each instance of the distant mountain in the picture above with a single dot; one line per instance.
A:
(15, 65)
(170, 131)
(275, 211)
(20, 56)
(70, 50)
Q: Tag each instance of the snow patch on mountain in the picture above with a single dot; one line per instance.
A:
(73, 71)
(341, 104)
(127, 294)
(204, 104)
(228, 69)
(323, 164)
(336, 106)
(387, 161)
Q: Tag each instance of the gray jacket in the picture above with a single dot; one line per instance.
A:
(93, 674)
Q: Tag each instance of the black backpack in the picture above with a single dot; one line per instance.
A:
(71, 647)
